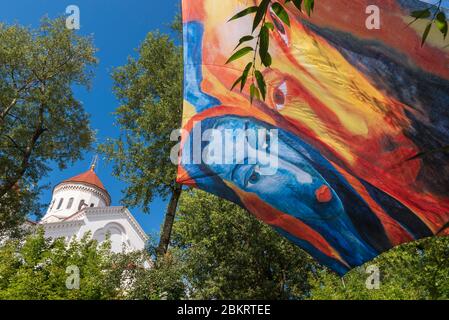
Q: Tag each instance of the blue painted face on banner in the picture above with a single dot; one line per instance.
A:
(311, 198)
(272, 169)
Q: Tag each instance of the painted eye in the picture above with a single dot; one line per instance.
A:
(279, 96)
(254, 178)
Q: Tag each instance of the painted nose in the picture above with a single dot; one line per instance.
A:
(323, 194)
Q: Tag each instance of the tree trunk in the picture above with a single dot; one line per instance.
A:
(168, 222)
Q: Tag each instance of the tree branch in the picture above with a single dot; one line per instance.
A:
(39, 130)
(14, 143)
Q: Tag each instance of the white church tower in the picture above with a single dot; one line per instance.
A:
(82, 204)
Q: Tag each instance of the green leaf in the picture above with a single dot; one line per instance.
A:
(421, 14)
(245, 75)
(239, 54)
(251, 92)
(426, 33)
(281, 13)
(261, 11)
(441, 17)
(244, 13)
(264, 45)
(257, 93)
(261, 83)
(297, 4)
(243, 40)
(441, 23)
(254, 93)
(309, 5)
(269, 25)
(267, 61)
(236, 82)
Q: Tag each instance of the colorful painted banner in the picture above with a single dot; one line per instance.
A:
(348, 109)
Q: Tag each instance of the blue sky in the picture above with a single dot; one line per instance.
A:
(118, 26)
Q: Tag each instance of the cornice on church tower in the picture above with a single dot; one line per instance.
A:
(76, 193)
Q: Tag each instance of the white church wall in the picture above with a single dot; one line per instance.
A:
(117, 236)
(117, 225)
(58, 230)
(121, 234)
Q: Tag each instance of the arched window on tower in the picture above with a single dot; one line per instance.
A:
(81, 205)
(69, 205)
(91, 205)
(60, 204)
(52, 204)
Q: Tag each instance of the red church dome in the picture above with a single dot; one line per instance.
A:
(89, 177)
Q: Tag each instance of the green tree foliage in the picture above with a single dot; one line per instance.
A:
(228, 254)
(149, 89)
(36, 269)
(150, 95)
(418, 270)
(40, 119)
(164, 280)
(219, 251)
(222, 252)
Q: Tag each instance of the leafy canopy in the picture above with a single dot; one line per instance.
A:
(149, 89)
(41, 121)
(228, 254)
